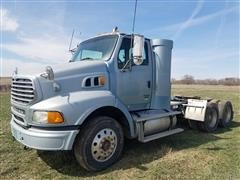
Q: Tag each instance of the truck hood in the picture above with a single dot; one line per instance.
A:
(79, 67)
(70, 77)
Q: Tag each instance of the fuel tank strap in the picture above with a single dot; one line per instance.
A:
(171, 119)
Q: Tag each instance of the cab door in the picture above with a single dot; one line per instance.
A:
(134, 82)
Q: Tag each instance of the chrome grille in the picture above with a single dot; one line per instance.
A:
(22, 90)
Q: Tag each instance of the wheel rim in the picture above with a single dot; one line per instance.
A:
(104, 145)
(212, 118)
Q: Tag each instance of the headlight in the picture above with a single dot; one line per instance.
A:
(50, 117)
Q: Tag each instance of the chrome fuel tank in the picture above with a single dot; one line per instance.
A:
(158, 125)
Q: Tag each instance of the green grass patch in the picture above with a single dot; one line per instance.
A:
(189, 155)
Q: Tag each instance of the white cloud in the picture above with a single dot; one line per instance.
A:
(37, 54)
(45, 49)
(8, 22)
(178, 28)
(35, 49)
(24, 67)
(200, 20)
(205, 64)
(205, 56)
(187, 23)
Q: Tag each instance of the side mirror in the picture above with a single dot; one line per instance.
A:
(138, 46)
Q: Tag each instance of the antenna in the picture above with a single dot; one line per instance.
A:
(70, 45)
(131, 43)
(133, 28)
(133, 24)
(134, 17)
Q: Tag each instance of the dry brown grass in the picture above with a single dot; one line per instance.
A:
(5, 80)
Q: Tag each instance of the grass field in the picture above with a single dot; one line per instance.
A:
(189, 155)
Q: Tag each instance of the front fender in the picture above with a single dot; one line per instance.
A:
(93, 102)
(105, 99)
(77, 106)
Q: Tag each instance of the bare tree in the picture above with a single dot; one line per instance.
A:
(188, 79)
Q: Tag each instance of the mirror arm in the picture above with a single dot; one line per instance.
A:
(124, 67)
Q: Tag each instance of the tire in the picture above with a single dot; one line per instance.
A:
(193, 124)
(99, 144)
(214, 101)
(211, 119)
(225, 113)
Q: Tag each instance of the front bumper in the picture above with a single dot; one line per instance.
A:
(44, 139)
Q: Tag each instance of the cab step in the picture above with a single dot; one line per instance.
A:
(148, 138)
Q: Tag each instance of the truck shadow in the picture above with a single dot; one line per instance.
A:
(136, 154)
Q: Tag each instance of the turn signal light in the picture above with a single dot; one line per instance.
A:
(51, 117)
(55, 118)
(101, 80)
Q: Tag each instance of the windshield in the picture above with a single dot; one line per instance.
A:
(99, 48)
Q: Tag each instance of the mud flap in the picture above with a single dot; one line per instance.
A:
(195, 109)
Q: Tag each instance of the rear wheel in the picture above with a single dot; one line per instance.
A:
(214, 101)
(193, 124)
(211, 119)
(99, 144)
(225, 113)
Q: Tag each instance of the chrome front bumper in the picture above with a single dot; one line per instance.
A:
(44, 139)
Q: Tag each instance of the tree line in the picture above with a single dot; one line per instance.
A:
(189, 79)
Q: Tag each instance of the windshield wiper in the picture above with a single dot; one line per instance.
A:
(86, 58)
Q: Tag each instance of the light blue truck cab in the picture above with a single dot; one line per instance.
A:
(115, 86)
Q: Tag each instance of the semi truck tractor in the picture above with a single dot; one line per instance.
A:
(115, 86)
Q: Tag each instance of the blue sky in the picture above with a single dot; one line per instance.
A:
(205, 33)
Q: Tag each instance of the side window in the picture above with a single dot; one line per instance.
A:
(125, 53)
(121, 56)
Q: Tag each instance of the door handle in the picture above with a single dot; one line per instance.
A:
(149, 84)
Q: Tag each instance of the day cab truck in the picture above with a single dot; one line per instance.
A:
(115, 86)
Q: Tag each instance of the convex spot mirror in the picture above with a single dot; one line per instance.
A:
(138, 46)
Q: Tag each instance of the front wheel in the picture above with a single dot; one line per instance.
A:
(99, 144)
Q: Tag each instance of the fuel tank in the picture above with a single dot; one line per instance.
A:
(154, 122)
(158, 125)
